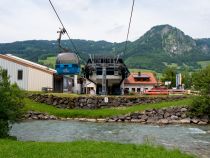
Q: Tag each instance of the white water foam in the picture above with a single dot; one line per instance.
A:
(196, 131)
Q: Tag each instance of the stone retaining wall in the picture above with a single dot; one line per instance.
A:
(96, 102)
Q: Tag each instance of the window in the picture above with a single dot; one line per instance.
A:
(133, 89)
(98, 71)
(20, 74)
(138, 90)
(126, 90)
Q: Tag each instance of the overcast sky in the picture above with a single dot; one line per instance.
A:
(100, 19)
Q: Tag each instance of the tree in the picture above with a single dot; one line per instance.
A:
(169, 74)
(11, 103)
(201, 82)
(186, 78)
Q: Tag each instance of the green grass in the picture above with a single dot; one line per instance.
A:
(65, 94)
(84, 149)
(49, 61)
(204, 63)
(70, 95)
(99, 113)
(171, 64)
(73, 95)
(140, 70)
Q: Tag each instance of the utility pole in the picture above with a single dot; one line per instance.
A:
(104, 90)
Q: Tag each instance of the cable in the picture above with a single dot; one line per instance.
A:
(75, 48)
(126, 42)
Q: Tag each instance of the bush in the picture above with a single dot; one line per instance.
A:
(200, 106)
(11, 103)
(201, 80)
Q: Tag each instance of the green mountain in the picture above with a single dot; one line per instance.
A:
(161, 46)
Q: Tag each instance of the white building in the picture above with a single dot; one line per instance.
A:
(28, 75)
(139, 82)
(89, 87)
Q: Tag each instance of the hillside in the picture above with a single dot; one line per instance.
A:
(161, 46)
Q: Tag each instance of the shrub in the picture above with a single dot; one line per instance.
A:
(200, 106)
(11, 103)
(201, 80)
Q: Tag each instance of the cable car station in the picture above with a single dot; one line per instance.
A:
(107, 73)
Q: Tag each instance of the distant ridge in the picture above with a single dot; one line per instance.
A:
(157, 48)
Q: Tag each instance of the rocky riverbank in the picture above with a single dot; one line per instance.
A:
(33, 115)
(96, 102)
(172, 115)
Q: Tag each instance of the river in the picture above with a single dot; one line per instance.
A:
(189, 138)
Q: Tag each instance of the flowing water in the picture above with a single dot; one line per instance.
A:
(189, 138)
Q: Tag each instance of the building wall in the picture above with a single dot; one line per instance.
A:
(38, 79)
(12, 71)
(143, 87)
(88, 85)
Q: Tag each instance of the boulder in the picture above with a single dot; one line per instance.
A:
(202, 123)
(127, 118)
(122, 118)
(51, 117)
(34, 117)
(101, 120)
(91, 120)
(185, 121)
(173, 117)
(163, 121)
(174, 121)
(195, 121)
(111, 120)
(160, 112)
(151, 120)
(55, 102)
(167, 114)
(82, 119)
(135, 121)
(183, 116)
(144, 117)
(183, 109)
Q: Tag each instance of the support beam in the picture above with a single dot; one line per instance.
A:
(104, 88)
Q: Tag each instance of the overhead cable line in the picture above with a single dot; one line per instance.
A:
(74, 47)
(129, 25)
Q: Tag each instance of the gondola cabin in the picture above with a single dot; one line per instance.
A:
(67, 64)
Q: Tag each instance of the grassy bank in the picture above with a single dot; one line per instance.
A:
(100, 113)
(83, 149)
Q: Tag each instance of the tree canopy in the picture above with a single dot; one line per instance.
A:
(201, 80)
(169, 74)
(11, 103)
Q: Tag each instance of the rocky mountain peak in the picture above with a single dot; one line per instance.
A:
(171, 40)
